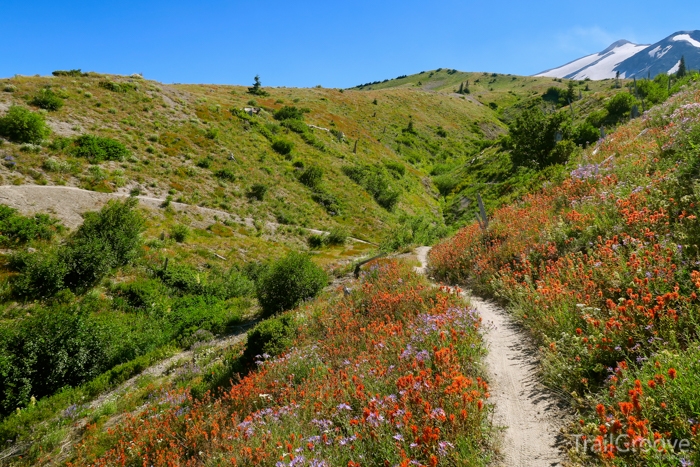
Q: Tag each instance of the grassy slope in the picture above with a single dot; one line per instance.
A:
(165, 126)
(490, 172)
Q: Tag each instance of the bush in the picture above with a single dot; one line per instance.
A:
(204, 163)
(179, 233)
(586, 133)
(397, 169)
(619, 106)
(290, 113)
(316, 241)
(421, 229)
(375, 180)
(48, 100)
(597, 118)
(312, 176)
(287, 282)
(16, 229)
(337, 236)
(257, 191)
(297, 126)
(328, 201)
(117, 87)
(282, 147)
(225, 174)
(74, 73)
(97, 149)
(20, 125)
(270, 338)
(106, 240)
(52, 349)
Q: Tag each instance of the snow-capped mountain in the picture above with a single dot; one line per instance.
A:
(634, 60)
(597, 66)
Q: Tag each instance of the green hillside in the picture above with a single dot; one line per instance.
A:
(148, 223)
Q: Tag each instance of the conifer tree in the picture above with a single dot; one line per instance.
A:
(257, 88)
(681, 68)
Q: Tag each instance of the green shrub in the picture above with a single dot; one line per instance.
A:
(586, 133)
(446, 183)
(556, 96)
(257, 191)
(619, 106)
(597, 118)
(337, 236)
(185, 280)
(297, 126)
(315, 241)
(328, 201)
(421, 229)
(396, 169)
(283, 147)
(290, 113)
(270, 338)
(42, 274)
(287, 282)
(312, 176)
(211, 133)
(117, 87)
(204, 163)
(225, 174)
(107, 239)
(179, 233)
(20, 125)
(375, 180)
(48, 100)
(57, 166)
(16, 229)
(97, 149)
(142, 295)
(52, 349)
(74, 73)
(533, 136)
(119, 224)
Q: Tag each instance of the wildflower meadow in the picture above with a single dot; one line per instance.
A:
(602, 267)
(387, 375)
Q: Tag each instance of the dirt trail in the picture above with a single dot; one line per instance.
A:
(69, 203)
(527, 412)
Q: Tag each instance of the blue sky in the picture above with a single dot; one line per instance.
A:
(307, 43)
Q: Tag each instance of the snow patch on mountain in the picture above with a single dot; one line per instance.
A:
(687, 38)
(674, 69)
(657, 52)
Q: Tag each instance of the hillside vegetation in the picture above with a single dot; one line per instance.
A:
(602, 267)
(224, 214)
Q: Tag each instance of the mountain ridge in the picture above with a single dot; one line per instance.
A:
(629, 60)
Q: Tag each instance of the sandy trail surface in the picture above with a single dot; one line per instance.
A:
(529, 415)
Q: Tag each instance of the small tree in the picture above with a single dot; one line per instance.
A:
(534, 135)
(681, 68)
(570, 92)
(257, 89)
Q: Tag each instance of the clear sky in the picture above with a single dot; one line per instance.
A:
(307, 42)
